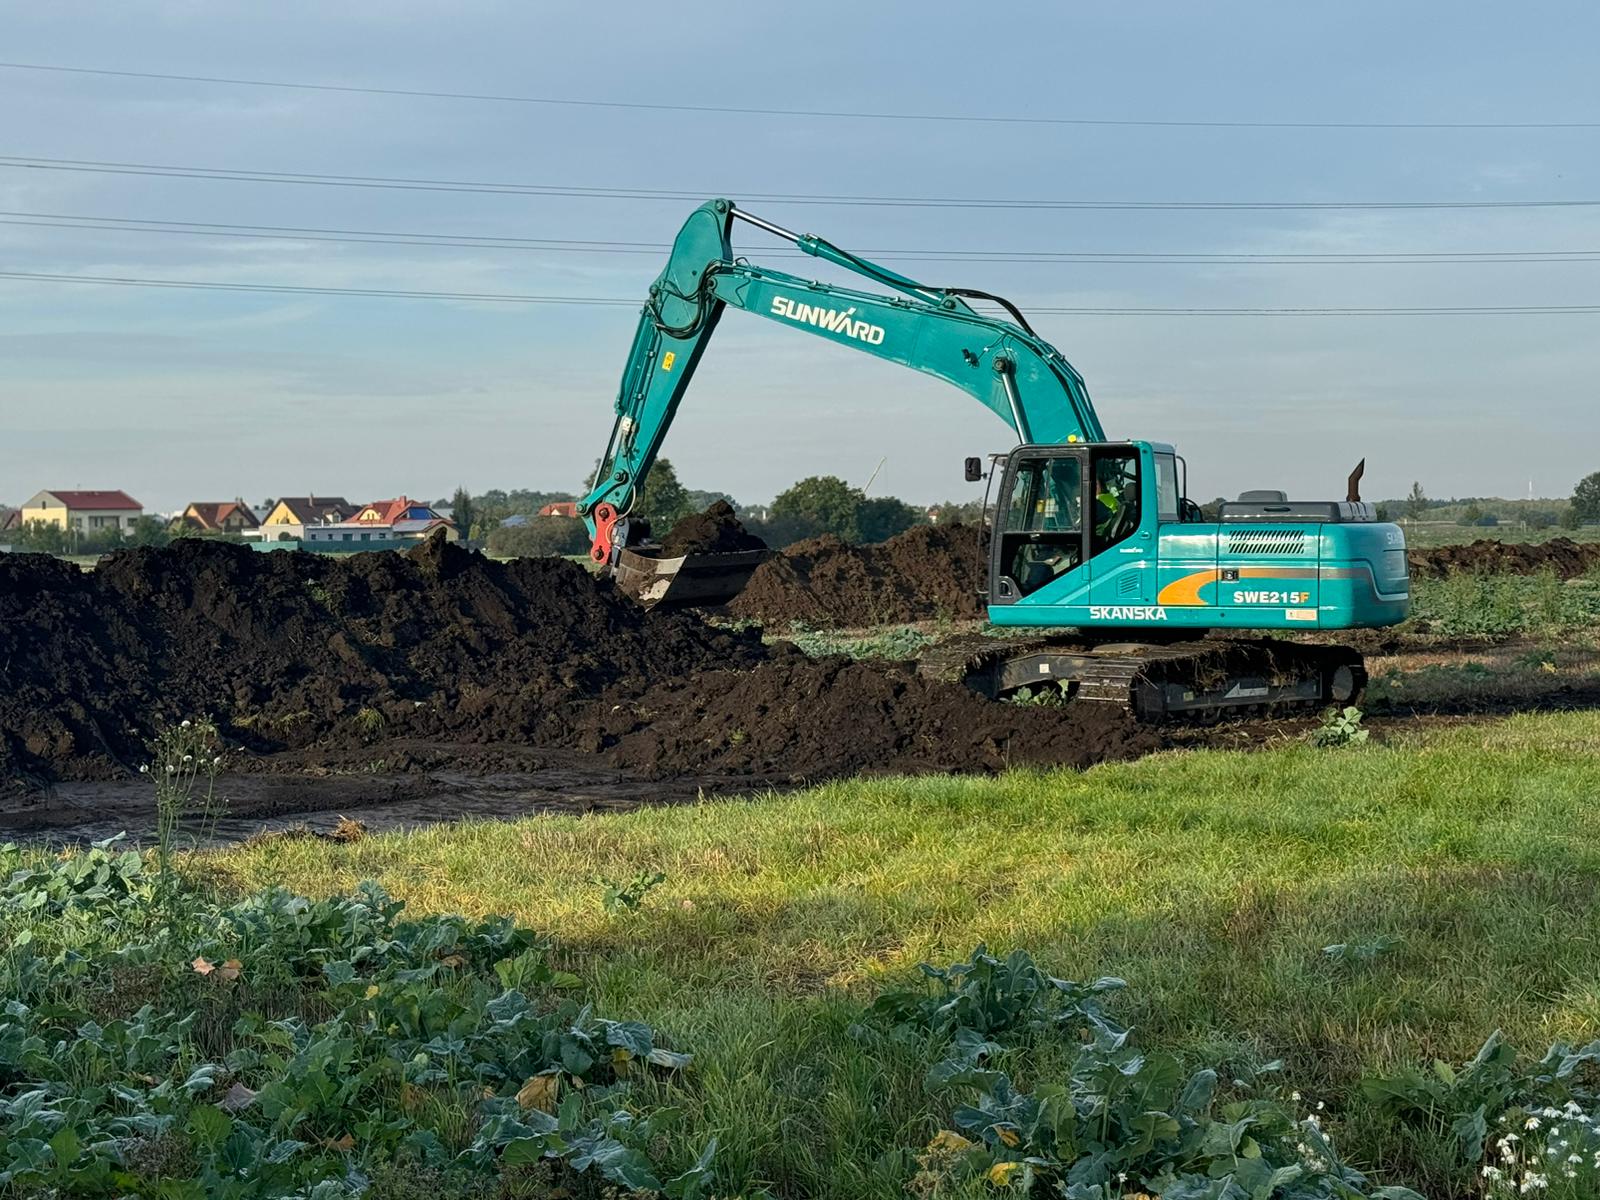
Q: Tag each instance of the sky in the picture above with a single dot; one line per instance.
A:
(178, 394)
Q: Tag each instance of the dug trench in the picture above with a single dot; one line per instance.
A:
(394, 673)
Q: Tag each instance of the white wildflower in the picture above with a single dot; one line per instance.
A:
(185, 725)
(1531, 1123)
(145, 770)
(1295, 1096)
(1574, 1158)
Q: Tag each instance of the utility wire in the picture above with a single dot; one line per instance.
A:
(610, 193)
(374, 237)
(1049, 310)
(831, 114)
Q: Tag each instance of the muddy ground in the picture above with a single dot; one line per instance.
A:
(295, 655)
(406, 687)
(1568, 559)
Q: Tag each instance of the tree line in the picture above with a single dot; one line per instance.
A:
(820, 504)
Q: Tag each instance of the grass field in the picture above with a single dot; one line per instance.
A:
(1425, 535)
(1456, 869)
(1210, 881)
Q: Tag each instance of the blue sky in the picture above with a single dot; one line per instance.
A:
(179, 395)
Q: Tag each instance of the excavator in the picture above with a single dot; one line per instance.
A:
(1105, 578)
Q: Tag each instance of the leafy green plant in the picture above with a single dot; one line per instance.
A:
(1121, 1121)
(1365, 951)
(629, 895)
(993, 997)
(1468, 1101)
(298, 1045)
(1340, 727)
(1054, 694)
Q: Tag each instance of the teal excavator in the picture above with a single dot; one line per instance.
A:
(1109, 578)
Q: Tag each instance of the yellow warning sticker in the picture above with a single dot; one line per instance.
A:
(666, 360)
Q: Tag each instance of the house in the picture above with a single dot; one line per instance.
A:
(380, 525)
(84, 512)
(216, 516)
(561, 508)
(289, 517)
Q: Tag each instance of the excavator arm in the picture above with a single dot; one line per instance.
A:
(1003, 364)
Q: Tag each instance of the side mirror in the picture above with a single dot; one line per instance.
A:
(974, 469)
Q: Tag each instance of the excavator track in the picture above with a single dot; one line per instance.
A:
(1202, 680)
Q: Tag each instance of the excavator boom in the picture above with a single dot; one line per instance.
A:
(1004, 365)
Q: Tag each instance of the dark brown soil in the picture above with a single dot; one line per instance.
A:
(927, 573)
(1566, 558)
(300, 652)
(715, 531)
(289, 649)
(786, 719)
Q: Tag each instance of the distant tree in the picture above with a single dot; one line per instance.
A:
(43, 537)
(1470, 515)
(825, 501)
(1571, 518)
(540, 537)
(1416, 502)
(965, 511)
(1536, 518)
(1586, 498)
(462, 511)
(1381, 511)
(882, 517)
(149, 531)
(699, 500)
(1213, 511)
(663, 501)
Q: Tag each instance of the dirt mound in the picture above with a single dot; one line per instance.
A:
(312, 653)
(805, 720)
(288, 648)
(1566, 558)
(928, 572)
(715, 531)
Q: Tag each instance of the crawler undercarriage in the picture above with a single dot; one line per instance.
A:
(1201, 680)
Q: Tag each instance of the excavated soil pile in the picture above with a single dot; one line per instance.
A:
(1566, 558)
(800, 719)
(287, 648)
(289, 651)
(715, 531)
(926, 573)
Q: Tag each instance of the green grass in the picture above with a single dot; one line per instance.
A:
(1467, 604)
(1210, 880)
(1427, 535)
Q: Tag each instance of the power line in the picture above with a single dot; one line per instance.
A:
(1047, 310)
(654, 249)
(375, 237)
(612, 193)
(831, 114)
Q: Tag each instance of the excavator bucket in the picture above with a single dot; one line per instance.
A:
(689, 580)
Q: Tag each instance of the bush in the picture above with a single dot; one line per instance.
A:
(540, 537)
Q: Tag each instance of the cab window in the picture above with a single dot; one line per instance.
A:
(1046, 497)
(1042, 537)
(1116, 497)
(1167, 487)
